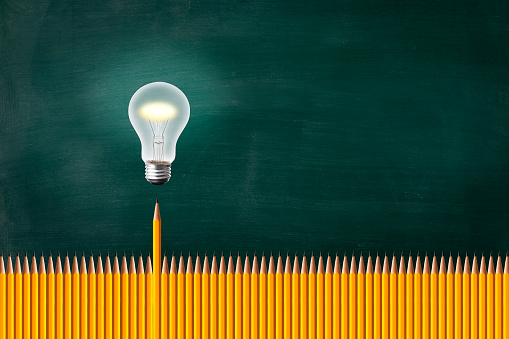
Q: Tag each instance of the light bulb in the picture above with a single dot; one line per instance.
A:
(158, 112)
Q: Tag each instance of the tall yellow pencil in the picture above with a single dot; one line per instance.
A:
(197, 298)
(361, 299)
(165, 274)
(304, 298)
(51, 299)
(34, 282)
(83, 298)
(505, 302)
(238, 298)
(124, 299)
(271, 298)
(442, 300)
(59, 299)
(246, 300)
(409, 305)
(221, 299)
(18, 282)
(255, 283)
(377, 299)
(393, 295)
(92, 299)
(11, 294)
(312, 298)
(205, 302)
(108, 299)
(189, 298)
(369, 299)
(466, 299)
(100, 328)
(263, 298)
(401, 298)
(498, 299)
(352, 300)
(43, 290)
(116, 299)
(336, 302)
(426, 311)
(181, 299)
(320, 291)
(450, 298)
(490, 300)
(173, 299)
(386, 300)
(75, 276)
(482, 298)
(474, 300)
(328, 300)
(156, 274)
(26, 299)
(418, 298)
(458, 301)
(133, 299)
(142, 302)
(287, 303)
(3, 298)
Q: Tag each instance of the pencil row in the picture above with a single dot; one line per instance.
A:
(325, 299)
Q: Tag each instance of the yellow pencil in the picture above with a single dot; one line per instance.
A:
(246, 300)
(181, 300)
(173, 299)
(92, 299)
(156, 275)
(474, 300)
(255, 283)
(377, 297)
(221, 299)
(361, 299)
(164, 299)
(75, 277)
(320, 307)
(312, 298)
(133, 299)
(238, 298)
(83, 298)
(3, 298)
(458, 295)
(345, 296)
(490, 300)
(263, 299)
(505, 303)
(466, 299)
(498, 299)
(189, 298)
(18, 281)
(336, 302)
(271, 298)
(11, 294)
(287, 303)
(393, 295)
(34, 282)
(352, 300)
(369, 299)
(108, 299)
(386, 300)
(142, 302)
(59, 299)
(26, 299)
(401, 298)
(100, 329)
(409, 305)
(149, 297)
(304, 299)
(482, 298)
(205, 303)
(197, 298)
(426, 310)
(418, 298)
(42, 299)
(442, 300)
(450, 298)
(124, 299)
(328, 300)
(51, 299)
(230, 300)
(116, 299)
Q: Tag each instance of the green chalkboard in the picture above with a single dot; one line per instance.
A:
(315, 125)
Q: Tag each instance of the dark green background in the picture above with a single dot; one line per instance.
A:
(315, 125)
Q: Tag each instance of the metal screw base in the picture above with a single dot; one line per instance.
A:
(157, 173)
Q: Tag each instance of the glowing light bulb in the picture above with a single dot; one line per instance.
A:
(158, 112)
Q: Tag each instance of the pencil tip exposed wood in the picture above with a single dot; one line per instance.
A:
(475, 267)
(458, 265)
(124, 269)
(83, 268)
(67, 265)
(328, 265)
(182, 267)
(26, 268)
(499, 265)
(345, 269)
(42, 265)
(255, 270)
(91, 265)
(272, 269)
(189, 264)
(140, 269)
(17, 265)
(450, 265)
(222, 266)
(197, 265)
(173, 265)
(288, 265)
(132, 265)
(33, 268)
(378, 266)
(466, 267)
(238, 266)
(426, 269)
(263, 265)
(231, 269)
(296, 267)
(369, 266)
(107, 265)
(279, 265)
(337, 268)
(206, 268)
(304, 266)
(394, 265)
(165, 269)
(9, 265)
(75, 267)
(418, 267)
(247, 267)
(58, 269)
(2, 266)
(402, 264)
(312, 267)
(157, 214)
(353, 265)
(491, 266)
(149, 265)
(361, 269)
(116, 267)
(321, 268)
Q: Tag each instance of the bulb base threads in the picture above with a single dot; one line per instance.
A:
(157, 173)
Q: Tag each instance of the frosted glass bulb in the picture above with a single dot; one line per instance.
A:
(158, 112)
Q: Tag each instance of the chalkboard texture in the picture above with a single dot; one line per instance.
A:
(315, 125)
